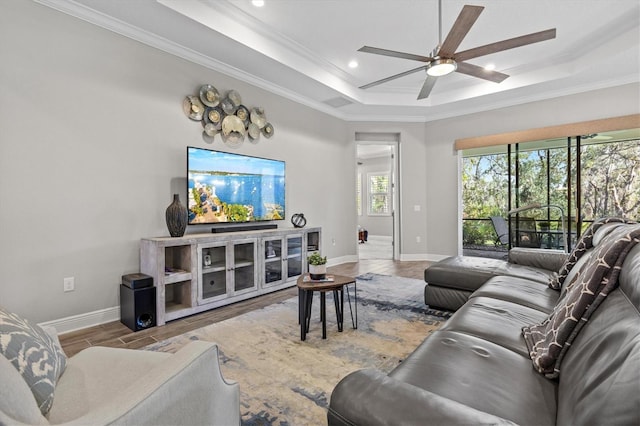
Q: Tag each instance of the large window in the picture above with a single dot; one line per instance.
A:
(610, 179)
(555, 188)
(379, 194)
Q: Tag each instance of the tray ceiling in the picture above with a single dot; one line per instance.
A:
(301, 49)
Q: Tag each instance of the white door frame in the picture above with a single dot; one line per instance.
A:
(395, 190)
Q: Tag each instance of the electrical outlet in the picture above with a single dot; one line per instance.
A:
(333, 241)
(418, 239)
(69, 284)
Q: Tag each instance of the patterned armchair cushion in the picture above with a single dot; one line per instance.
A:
(34, 353)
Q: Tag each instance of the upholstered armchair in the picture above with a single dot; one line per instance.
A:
(112, 386)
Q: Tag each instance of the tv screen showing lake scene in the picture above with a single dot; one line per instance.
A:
(224, 187)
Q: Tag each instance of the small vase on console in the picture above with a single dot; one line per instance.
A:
(176, 217)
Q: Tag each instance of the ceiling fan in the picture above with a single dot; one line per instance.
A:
(444, 59)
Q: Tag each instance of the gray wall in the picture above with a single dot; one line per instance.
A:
(93, 143)
(92, 147)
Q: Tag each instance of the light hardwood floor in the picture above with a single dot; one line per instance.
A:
(116, 334)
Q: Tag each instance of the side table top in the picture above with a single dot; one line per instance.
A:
(338, 282)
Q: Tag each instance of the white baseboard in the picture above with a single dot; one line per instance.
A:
(422, 257)
(436, 257)
(102, 316)
(89, 319)
(342, 259)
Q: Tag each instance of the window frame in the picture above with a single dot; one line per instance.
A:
(371, 194)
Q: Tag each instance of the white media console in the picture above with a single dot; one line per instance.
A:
(198, 272)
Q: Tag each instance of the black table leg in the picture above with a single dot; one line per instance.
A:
(323, 314)
(339, 307)
(308, 306)
(302, 312)
(355, 298)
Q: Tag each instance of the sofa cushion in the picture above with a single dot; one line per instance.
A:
(482, 375)
(600, 378)
(521, 291)
(445, 298)
(549, 259)
(95, 375)
(462, 272)
(34, 353)
(497, 321)
(528, 272)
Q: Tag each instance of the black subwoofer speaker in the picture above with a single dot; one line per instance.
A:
(138, 307)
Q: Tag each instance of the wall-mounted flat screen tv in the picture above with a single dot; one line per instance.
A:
(224, 187)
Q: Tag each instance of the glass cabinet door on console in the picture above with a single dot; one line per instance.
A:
(273, 261)
(226, 269)
(243, 270)
(213, 266)
(283, 259)
(295, 256)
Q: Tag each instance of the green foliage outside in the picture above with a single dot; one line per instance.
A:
(610, 186)
(379, 190)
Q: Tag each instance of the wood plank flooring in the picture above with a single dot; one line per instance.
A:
(116, 334)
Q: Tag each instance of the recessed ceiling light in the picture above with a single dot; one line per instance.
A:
(353, 64)
(490, 67)
(257, 3)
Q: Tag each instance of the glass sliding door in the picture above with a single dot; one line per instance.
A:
(610, 182)
(548, 192)
(539, 178)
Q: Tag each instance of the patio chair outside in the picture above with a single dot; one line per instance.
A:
(502, 230)
(526, 233)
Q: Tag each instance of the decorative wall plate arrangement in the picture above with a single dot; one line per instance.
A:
(226, 116)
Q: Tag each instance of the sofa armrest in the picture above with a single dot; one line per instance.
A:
(186, 388)
(369, 397)
(551, 260)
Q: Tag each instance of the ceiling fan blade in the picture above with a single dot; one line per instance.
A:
(461, 27)
(394, 53)
(506, 45)
(393, 77)
(476, 71)
(426, 87)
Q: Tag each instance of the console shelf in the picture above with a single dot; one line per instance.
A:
(199, 272)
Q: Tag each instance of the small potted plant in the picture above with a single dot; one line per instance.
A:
(317, 266)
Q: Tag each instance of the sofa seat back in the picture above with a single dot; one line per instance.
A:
(599, 380)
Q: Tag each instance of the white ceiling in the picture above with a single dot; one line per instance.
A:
(300, 49)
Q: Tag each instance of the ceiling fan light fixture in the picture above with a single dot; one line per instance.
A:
(441, 67)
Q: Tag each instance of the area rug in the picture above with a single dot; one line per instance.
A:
(285, 381)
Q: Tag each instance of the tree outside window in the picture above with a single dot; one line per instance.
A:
(609, 174)
(379, 194)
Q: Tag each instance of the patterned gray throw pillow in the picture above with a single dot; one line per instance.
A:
(36, 355)
(584, 244)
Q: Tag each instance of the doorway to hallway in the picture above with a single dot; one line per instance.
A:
(376, 199)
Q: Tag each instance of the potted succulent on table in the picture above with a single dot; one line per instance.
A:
(317, 266)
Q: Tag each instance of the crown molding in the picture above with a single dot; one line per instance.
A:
(424, 114)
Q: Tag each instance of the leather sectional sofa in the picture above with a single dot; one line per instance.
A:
(478, 369)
